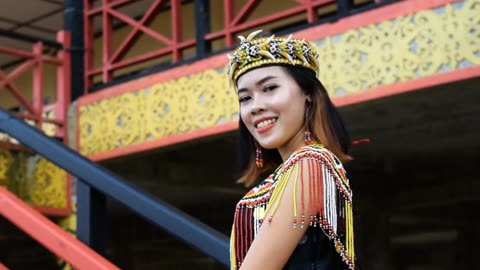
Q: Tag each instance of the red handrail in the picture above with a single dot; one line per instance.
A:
(35, 61)
(49, 234)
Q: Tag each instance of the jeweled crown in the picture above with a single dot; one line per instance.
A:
(255, 52)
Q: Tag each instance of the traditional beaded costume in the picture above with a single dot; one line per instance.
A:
(330, 198)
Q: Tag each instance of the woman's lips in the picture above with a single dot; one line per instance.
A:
(266, 125)
(265, 128)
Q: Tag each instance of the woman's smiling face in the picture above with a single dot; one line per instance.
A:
(272, 107)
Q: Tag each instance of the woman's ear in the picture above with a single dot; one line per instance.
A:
(309, 98)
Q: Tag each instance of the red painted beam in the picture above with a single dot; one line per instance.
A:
(27, 65)
(134, 34)
(57, 212)
(166, 141)
(15, 91)
(38, 117)
(14, 52)
(317, 3)
(228, 32)
(50, 235)
(147, 81)
(134, 23)
(96, 11)
(28, 55)
(374, 16)
(408, 86)
(143, 57)
(13, 146)
(245, 12)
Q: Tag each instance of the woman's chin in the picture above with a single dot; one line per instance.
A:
(268, 145)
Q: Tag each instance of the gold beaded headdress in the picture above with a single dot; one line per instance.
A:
(255, 52)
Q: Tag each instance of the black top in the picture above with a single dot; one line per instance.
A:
(315, 252)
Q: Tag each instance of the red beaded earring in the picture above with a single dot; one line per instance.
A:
(308, 137)
(258, 155)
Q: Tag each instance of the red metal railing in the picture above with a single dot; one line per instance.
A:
(32, 108)
(35, 61)
(234, 23)
(49, 234)
(236, 20)
(111, 58)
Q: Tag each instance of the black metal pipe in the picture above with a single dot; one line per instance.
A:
(202, 27)
(73, 23)
(344, 7)
(166, 216)
(30, 38)
(91, 217)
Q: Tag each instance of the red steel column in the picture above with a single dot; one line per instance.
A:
(176, 29)
(38, 84)
(63, 84)
(228, 9)
(107, 41)
(311, 15)
(88, 40)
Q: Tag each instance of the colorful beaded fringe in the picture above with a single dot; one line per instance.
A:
(330, 198)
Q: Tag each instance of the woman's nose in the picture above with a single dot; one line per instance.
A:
(258, 105)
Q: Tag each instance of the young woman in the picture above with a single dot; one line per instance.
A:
(300, 216)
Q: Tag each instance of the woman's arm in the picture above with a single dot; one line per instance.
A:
(276, 241)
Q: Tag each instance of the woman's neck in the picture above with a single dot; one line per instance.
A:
(292, 145)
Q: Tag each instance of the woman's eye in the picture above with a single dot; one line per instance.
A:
(243, 99)
(269, 88)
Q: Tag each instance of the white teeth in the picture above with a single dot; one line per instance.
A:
(266, 122)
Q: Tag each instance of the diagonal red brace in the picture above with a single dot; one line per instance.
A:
(50, 235)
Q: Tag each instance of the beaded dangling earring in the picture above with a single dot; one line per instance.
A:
(258, 155)
(308, 137)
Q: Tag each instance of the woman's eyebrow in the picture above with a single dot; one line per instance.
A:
(260, 82)
(264, 80)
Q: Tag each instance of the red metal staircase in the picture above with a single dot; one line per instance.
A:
(49, 234)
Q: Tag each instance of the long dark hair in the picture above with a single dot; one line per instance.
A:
(321, 119)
